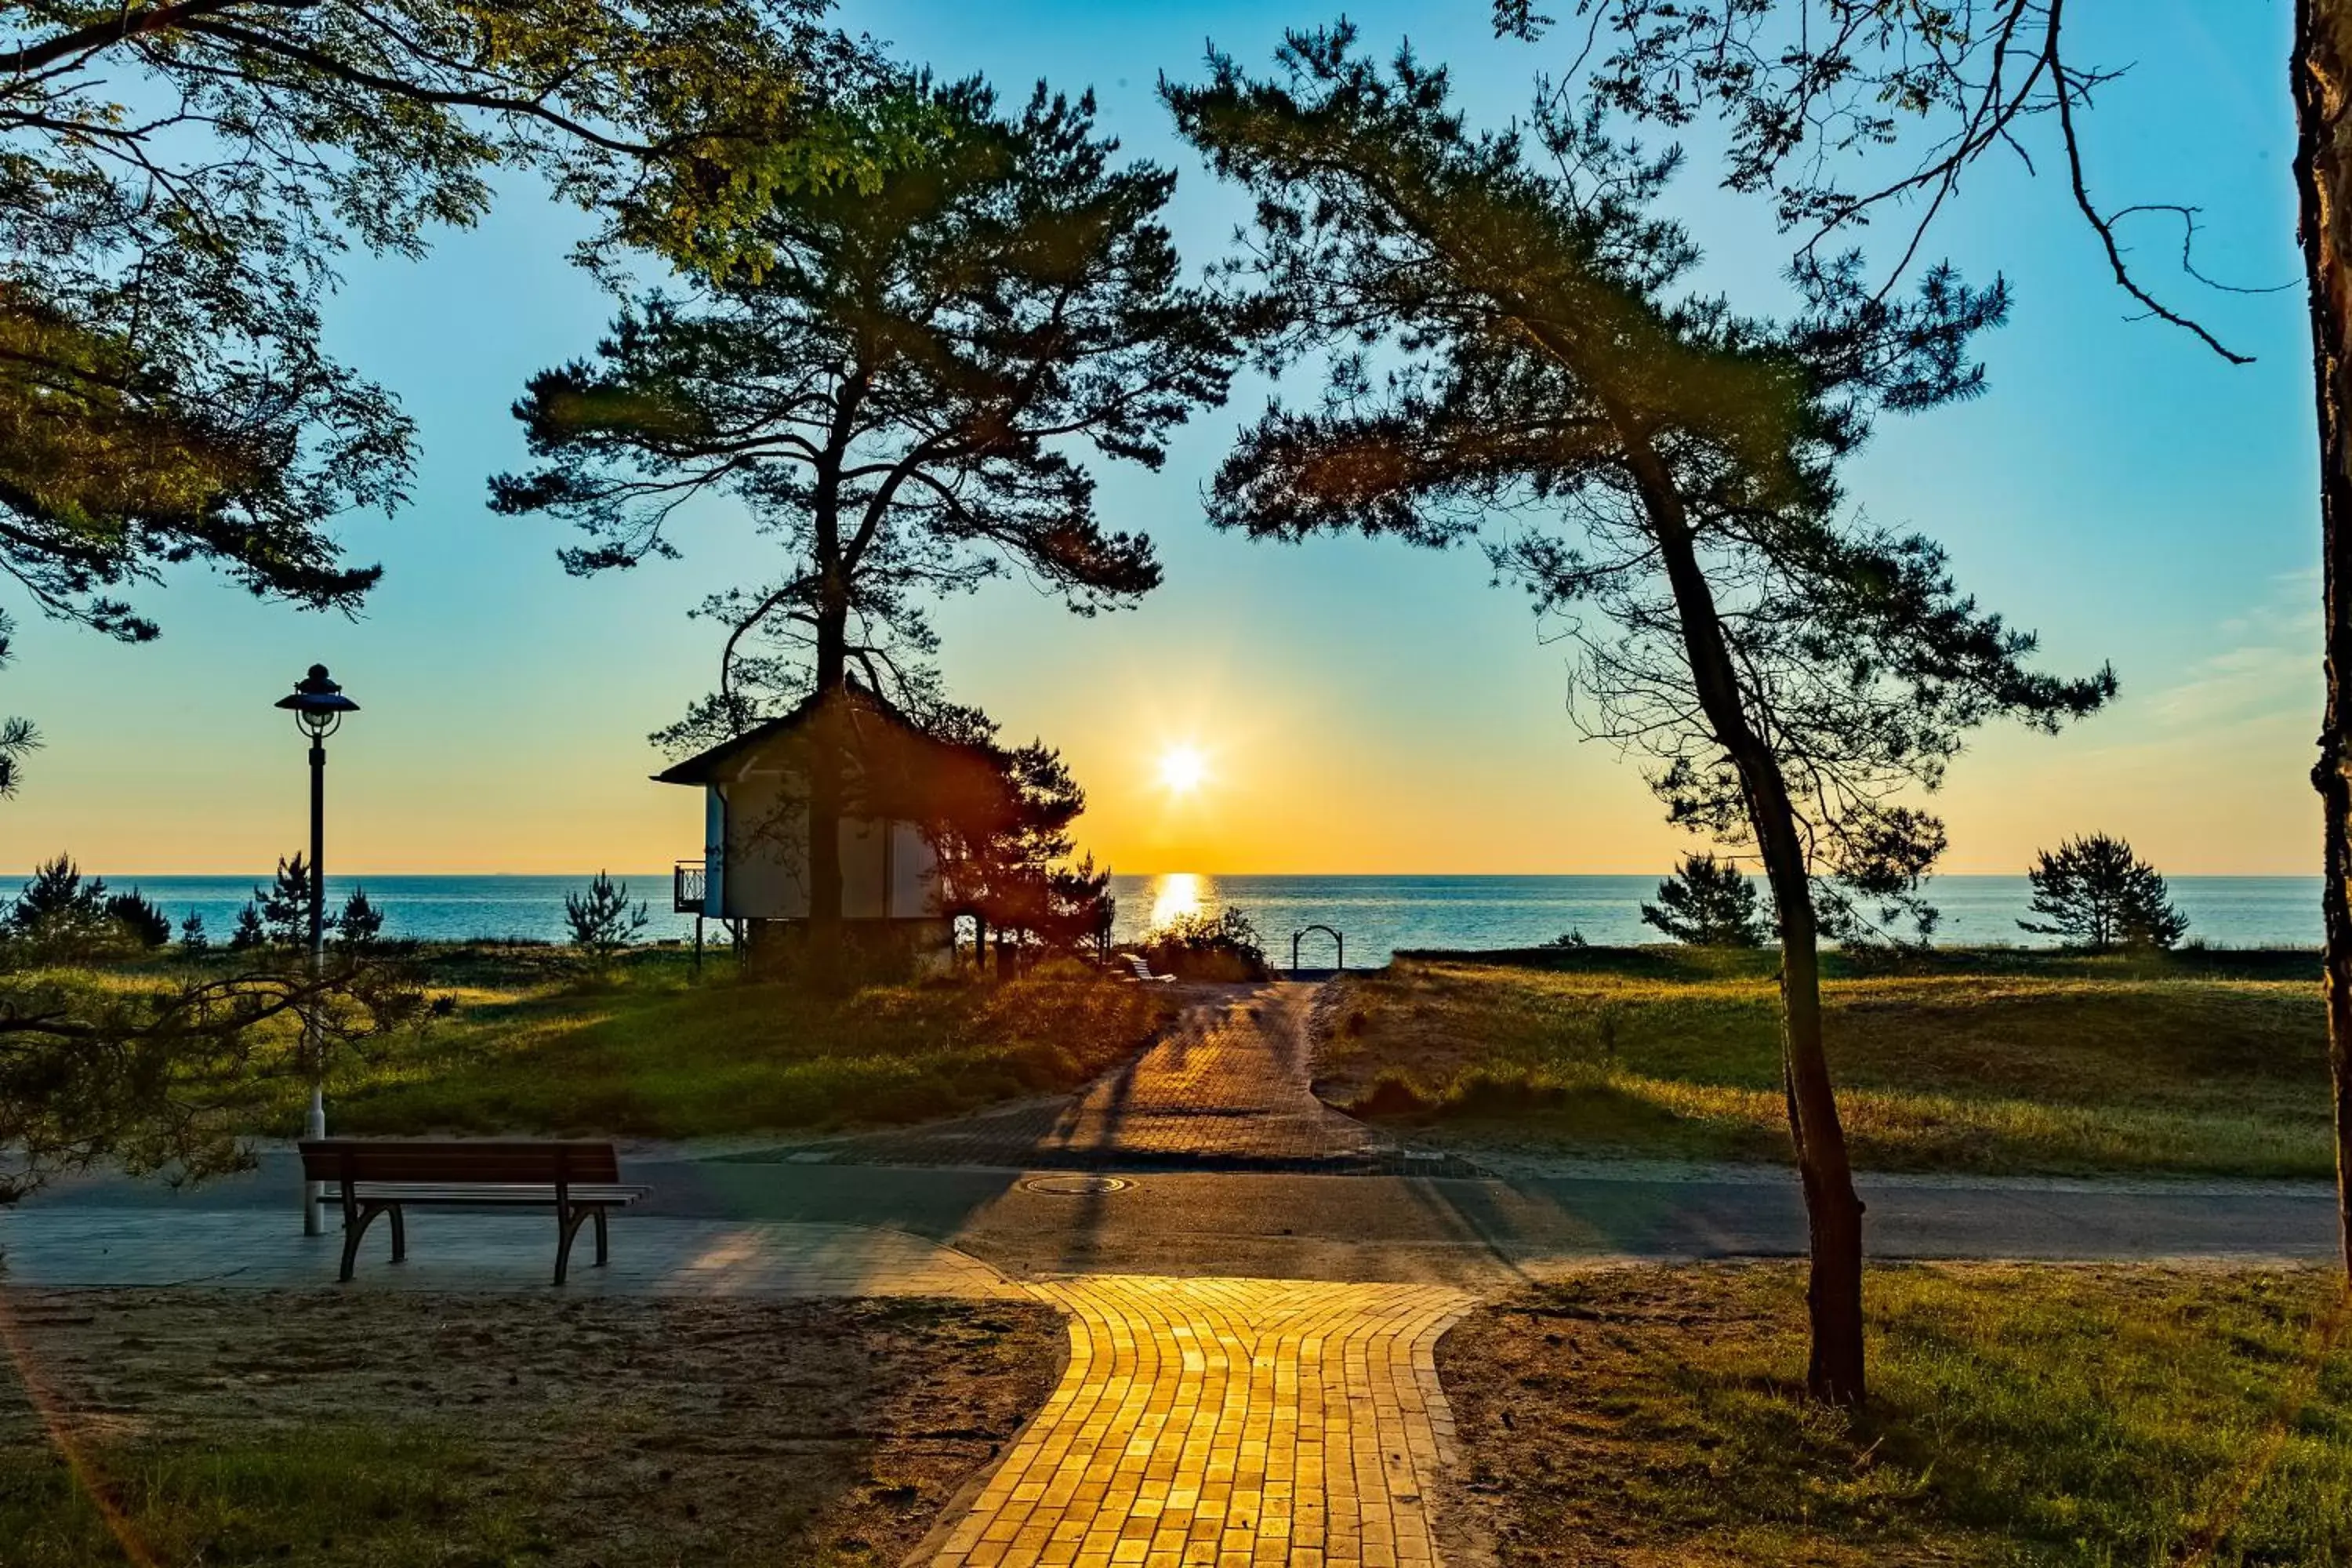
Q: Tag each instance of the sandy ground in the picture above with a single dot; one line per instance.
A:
(604, 1431)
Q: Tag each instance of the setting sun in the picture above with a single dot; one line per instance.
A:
(1182, 769)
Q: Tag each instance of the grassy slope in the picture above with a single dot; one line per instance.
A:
(655, 1055)
(2019, 1415)
(1995, 1062)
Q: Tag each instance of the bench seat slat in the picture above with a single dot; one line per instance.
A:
(462, 1160)
(542, 1194)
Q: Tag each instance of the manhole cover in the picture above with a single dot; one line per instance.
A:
(1075, 1186)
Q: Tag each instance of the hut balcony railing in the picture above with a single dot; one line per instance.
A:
(689, 885)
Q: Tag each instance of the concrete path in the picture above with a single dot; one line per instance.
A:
(1234, 1422)
(459, 1251)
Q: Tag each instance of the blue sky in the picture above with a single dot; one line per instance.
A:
(1363, 707)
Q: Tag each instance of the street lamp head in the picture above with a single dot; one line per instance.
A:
(318, 704)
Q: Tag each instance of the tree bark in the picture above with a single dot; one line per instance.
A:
(2321, 76)
(1834, 1371)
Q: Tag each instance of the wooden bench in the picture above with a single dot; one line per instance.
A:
(1142, 967)
(580, 1181)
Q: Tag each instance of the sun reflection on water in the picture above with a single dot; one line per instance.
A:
(1175, 894)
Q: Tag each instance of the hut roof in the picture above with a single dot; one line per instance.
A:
(895, 769)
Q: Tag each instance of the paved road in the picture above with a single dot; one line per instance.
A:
(1471, 1233)
(1215, 1160)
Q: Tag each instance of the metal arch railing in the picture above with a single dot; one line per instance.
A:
(689, 887)
(1338, 940)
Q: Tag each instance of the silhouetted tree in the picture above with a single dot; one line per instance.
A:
(1079, 908)
(1786, 671)
(60, 915)
(1005, 863)
(2095, 892)
(359, 929)
(899, 393)
(285, 905)
(1813, 91)
(137, 915)
(19, 739)
(1707, 903)
(184, 180)
(193, 940)
(602, 922)
(249, 934)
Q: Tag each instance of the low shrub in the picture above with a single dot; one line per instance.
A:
(1224, 947)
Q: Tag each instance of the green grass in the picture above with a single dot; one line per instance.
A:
(654, 1054)
(2051, 1414)
(350, 1492)
(1986, 1062)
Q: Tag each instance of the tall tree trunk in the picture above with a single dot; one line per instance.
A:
(2321, 73)
(1833, 1212)
(829, 739)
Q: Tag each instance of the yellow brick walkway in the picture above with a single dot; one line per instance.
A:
(1231, 1423)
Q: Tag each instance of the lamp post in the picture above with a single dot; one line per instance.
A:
(318, 705)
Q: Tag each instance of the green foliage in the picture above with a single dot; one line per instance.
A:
(249, 934)
(1008, 864)
(1657, 471)
(147, 925)
(164, 1072)
(284, 907)
(900, 392)
(19, 739)
(58, 915)
(179, 187)
(603, 923)
(1202, 946)
(1707, 903)
(194, 940)
(359, 928)
(2095, 893)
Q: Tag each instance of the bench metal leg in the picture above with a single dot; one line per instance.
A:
(568, 1223)
(603, 1255)
(354, 1228)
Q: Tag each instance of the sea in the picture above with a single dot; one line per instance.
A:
(1374, 915)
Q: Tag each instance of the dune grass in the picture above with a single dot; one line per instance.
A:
(1992, 1062)
(2045, 1415)
(653, 1053)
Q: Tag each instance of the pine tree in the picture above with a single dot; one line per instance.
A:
(603, 923)
(2095, 893)
(285, 905)
(359, 927)
(193, 940)
(902, 396)
(1707, 903)
(1662, 474)
(60, 916)
(249, 934)
(147, 925)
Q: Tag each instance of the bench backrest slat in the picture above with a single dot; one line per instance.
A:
(486, 1159)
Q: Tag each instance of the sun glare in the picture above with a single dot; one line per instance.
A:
(1182, 769)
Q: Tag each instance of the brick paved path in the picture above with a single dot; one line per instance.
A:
(1228, 1088)
(1235, 1423)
